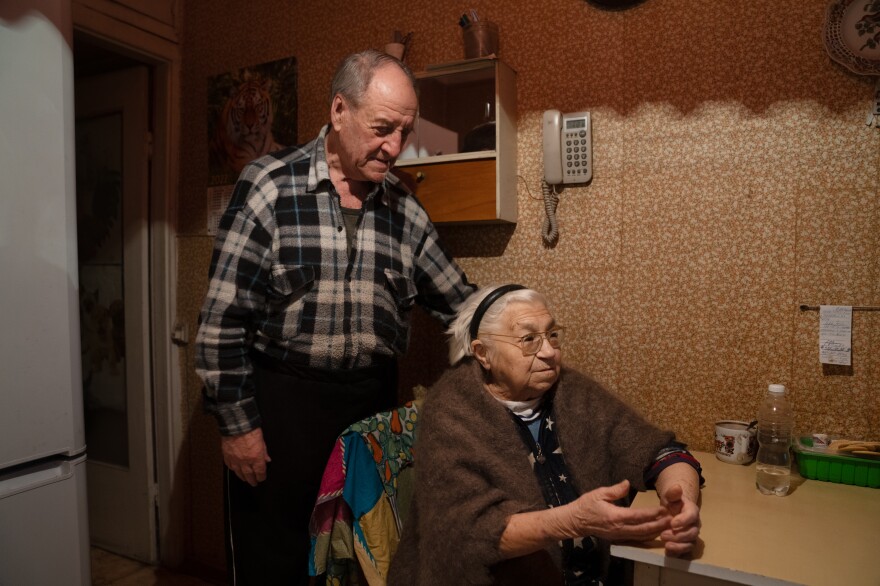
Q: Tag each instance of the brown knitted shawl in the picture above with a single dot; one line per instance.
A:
(473, 473)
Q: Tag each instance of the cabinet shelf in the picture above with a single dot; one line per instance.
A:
(462, 152)
(450, 158)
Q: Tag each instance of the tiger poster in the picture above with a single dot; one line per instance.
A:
(251, 112)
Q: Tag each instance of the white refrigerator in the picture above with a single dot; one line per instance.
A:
(43, 518)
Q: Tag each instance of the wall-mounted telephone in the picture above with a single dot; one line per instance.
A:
(568, 147)
(568, 158)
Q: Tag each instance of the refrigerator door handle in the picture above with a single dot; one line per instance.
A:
(37, 476)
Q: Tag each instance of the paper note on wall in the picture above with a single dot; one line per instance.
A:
(218, 200)
(835, 334)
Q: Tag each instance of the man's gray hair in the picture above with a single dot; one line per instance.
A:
(458, 332)
(354, 74)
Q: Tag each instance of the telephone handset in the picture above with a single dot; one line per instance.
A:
(568, 147)
(552, 147)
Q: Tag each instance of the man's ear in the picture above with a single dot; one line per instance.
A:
(338, 110)
(481, 353)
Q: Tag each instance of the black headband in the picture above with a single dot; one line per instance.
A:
(487, 302)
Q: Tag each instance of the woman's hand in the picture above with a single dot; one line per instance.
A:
(678, 487)
(594, 513)
(685, 526)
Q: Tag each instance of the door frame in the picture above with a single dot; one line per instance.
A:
(162, 54)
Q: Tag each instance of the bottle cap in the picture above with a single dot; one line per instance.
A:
(777, 389)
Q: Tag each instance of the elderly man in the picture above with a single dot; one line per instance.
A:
(318, 261)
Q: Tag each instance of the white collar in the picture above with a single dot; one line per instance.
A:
(525, 410)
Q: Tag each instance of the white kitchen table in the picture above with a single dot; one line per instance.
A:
(820, 534)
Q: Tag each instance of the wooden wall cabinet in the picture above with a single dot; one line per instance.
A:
(462, 153)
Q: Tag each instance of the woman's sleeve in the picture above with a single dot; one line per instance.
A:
(672, 453)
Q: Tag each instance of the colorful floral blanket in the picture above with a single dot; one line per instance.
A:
(355, 525)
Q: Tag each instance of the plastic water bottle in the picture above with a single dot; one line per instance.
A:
(775, 422)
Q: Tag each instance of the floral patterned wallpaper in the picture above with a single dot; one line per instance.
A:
(734, 179)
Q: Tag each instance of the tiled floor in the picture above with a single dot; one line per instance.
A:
(110, 569)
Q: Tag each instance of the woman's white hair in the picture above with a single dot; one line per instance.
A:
(459, 331)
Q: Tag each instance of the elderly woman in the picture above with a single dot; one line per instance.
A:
(525, 468)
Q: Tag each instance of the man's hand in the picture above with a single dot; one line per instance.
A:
(246, 455)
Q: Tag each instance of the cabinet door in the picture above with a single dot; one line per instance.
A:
(460, 191)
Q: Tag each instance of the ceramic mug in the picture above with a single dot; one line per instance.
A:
(736, 442)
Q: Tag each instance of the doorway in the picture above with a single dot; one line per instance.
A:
(112, 179)
(103, 46)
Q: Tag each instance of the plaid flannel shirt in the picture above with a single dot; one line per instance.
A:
(282, 281)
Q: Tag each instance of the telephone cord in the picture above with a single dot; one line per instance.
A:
(550, 229)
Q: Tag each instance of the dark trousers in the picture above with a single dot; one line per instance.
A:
(303, 412)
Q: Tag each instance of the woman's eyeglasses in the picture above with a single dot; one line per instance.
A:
(530, 344)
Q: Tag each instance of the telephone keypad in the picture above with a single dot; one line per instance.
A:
(576, 164)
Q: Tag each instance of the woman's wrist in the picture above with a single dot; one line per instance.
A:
(529, 532)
